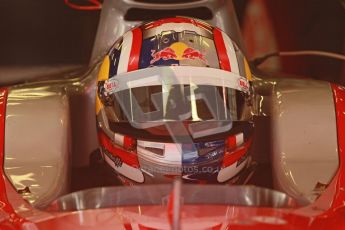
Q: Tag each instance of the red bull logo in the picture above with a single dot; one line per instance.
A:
(177, 51)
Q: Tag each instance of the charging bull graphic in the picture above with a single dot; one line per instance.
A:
(177, 51)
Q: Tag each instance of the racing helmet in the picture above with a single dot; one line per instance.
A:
(173, 100)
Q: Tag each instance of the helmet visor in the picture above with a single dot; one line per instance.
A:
(164, 94)
(162, 103)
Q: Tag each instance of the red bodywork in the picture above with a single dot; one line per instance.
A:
(327, 212)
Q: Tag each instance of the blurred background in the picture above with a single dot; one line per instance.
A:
(36, 33)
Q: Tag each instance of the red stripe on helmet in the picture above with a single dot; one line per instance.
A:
(129, 158)
(134, 56)
(231, 142)
(232, 157)
(178, 20)
(224, 62)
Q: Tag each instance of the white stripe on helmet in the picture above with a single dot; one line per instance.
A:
(125, 52)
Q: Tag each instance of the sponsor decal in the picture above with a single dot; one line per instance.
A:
(210, 150)
(110, 85)
(202, 151)
(117, 162)
(243, 84)
(177, 51)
